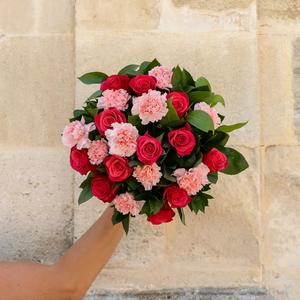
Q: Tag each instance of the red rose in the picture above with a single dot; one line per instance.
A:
(117, 168)
(142, 84)
(165, 215)
(180, 101)
(176, 196)
(215, 160)
(182, 140)
(104, 119)
(148, 149)
(79, 161)
(115, 82)
(103, 188)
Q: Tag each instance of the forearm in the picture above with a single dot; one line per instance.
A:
(86, 258)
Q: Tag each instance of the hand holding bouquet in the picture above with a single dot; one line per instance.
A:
(150, 141)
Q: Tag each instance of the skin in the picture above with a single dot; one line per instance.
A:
(72, 275)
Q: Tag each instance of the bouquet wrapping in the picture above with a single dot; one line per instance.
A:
(150, 141)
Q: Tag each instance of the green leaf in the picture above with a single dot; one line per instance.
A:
(155, 204)
(86, 194)
(146, 66)
(133, 163)
(125, 223)
(217, 99)
(203, 83)
(166, 174)
(92, 110)
(92, 78)
(78, 113)
(187, 79)
(129, 70)
(160, 137)
(132, 183)
(176, 78)
(229, 128)
(199, 202)
(199, 96)
(134, 120)
(171, 119)
(181, 215)
(213, 177)
(218, 139)
(200, 120)
(236, 161)
(95, 95)
(118, 217)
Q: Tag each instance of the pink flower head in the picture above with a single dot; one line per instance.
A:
(192, 180)
(125, 204)
(147, 175)
(77, 133)
(211, 111)
(122, 139)
(98, 150)
(150, 107)
(163, 76)
(114, 98)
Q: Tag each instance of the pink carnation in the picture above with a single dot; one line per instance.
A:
(122, 139)
(192, 180)
(147, 175)
(77, 132)
(125, 204)
(98, 150)
(114, 98)
(211, 111)
(163, 76)
(150, 107)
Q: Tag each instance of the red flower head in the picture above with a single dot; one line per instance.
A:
(115, 82)
(142, 84)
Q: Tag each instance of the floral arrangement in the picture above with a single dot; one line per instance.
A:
(150, 141)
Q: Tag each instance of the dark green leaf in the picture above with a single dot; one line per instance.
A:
(177, 78)
(134, 120)
(218, 139)
(203, 83)
(129, 70)
(171, 117)
(95, 95)
(229, 128)
(181, 215)
(146, 66)
(187, 79)
(78, 113)
(118, 217)
(236, 161)
(200, 120)
(199, 202)
(199, 96)
(213, 177)
(86, 194)
(91, 110)
(217, 99)
(125, 223)
(92, 78)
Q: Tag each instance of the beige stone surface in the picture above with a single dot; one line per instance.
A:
(281, 220)
(95, 15)
(36, 89)
(16, 16)
(36, 205)
(276, 90)
(233, 73)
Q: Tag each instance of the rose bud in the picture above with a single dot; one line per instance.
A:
(215, 160)
(180, 101)
(176, 196)
(183, 140)
(165, 215)
(103, 188)
(115, 82)
(79, 161)
(104, 119)
(142, 84)
(117, 168)
(149, 149)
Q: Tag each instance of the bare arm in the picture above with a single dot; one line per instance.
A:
(72, 275)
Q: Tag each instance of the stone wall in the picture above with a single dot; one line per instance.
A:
(250, 51)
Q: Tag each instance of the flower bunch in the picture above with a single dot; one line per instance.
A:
(150, 141)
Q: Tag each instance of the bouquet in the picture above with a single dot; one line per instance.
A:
(151, 142)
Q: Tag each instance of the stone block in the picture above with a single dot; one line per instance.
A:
(36, 205)
(229, 61)
(207, 16)
(36, 89)
(281, 221)
(16, 17)
(276, 90)
(94, 15)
